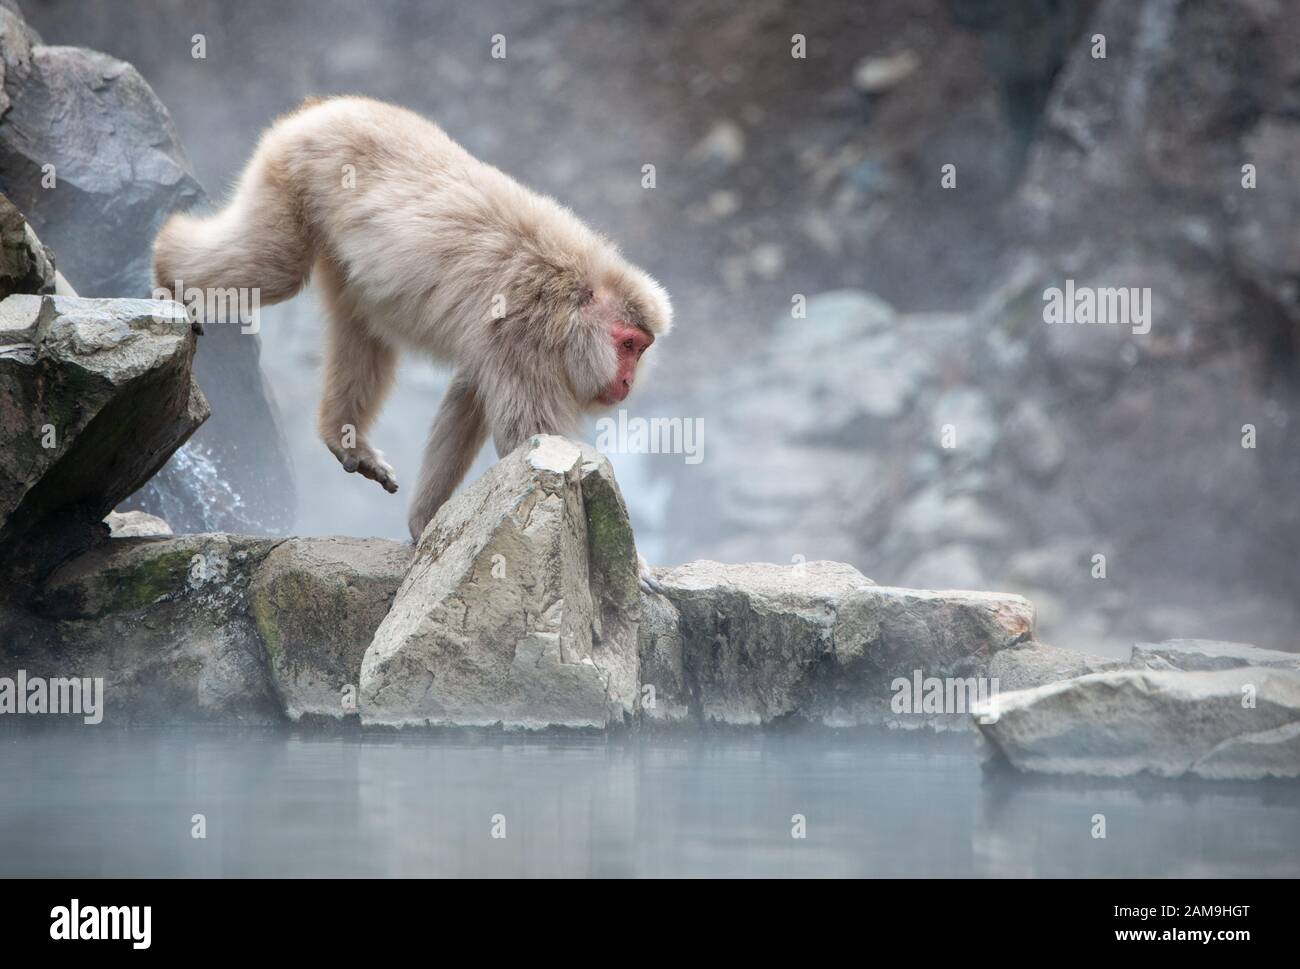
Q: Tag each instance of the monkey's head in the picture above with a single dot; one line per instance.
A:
(615, 323)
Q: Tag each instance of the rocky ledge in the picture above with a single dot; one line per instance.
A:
(521, 607)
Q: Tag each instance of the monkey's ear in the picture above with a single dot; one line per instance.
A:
(584, 296)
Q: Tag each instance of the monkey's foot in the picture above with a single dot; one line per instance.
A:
(647, 579)
(370, 463)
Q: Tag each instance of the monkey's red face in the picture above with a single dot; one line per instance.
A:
(629, 343)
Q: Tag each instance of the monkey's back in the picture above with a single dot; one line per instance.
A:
(424, 233)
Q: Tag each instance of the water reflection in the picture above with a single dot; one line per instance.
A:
(99, 802)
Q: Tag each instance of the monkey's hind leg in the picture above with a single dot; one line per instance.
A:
(358, 374)
(458, 431)
(259, 241)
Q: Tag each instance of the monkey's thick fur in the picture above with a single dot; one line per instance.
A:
(414, 243)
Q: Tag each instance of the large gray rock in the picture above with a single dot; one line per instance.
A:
(1224, 723)
(499, 620)
(95, 395)
(317, 603)
(90, 156)
(818, 641)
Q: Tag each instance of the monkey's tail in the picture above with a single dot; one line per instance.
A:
(259, 241)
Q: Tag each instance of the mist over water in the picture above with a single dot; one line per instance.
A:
(122, 803)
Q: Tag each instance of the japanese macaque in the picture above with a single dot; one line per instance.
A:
(416, 244)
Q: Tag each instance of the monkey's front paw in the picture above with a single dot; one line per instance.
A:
(371, 465)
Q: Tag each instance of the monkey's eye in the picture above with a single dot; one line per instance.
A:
(629, 345)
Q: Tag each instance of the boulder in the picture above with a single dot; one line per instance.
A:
(90, 156)
(1209, 654)
(317, 603)
(1238, 722)
(499, 620)
(815, 642)
(95, 395)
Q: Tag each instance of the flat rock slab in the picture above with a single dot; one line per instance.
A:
(1236, 723)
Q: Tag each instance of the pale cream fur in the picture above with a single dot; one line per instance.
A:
(418, 254)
